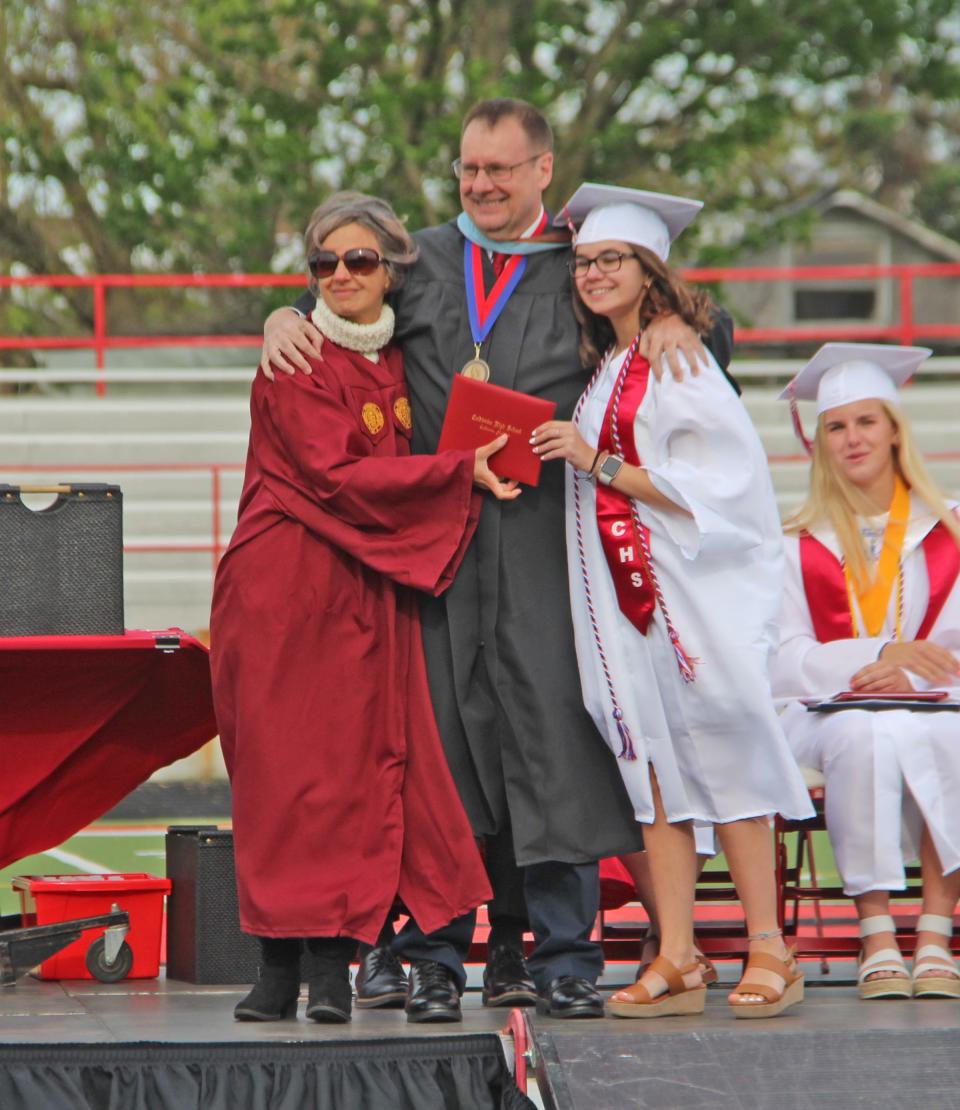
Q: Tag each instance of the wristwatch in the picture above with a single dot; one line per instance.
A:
(609, 469)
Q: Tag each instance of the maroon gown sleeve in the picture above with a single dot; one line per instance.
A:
(409, 517)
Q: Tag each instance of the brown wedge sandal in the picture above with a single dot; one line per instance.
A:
(775, 1001)
(677, 999)
(707, 969)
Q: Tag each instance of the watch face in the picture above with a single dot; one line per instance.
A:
(609, 468)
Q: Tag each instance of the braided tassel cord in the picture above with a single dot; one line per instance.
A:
(627, 750)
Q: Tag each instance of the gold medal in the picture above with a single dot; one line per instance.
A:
(477, 369)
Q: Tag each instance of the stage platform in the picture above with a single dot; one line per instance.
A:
(139, 1037)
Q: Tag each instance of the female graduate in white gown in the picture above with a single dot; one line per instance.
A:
(872, 604)
(675, 664)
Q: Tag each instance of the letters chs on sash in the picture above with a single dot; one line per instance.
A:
(615, 518)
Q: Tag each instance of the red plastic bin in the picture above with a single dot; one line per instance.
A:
(47, 899)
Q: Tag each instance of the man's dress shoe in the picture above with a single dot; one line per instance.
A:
(381, 981)
(569, 996)
(506, 980)
(432, 994)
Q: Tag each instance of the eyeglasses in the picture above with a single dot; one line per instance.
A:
(607, 263)
(496, 172)
(359, 260)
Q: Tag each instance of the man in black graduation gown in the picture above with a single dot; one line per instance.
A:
(531, 769)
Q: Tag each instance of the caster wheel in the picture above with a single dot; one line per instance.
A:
(109, 973)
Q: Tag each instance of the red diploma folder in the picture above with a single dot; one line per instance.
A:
(915, 700)
(911, 695)
(478, 412)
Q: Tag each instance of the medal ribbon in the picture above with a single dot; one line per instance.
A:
(623, 546)
(874, 600)
(484, 309)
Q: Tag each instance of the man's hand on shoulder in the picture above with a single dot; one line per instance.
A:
(288, 340)
(664, 340)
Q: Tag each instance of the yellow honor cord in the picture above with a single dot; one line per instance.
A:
(874, 601)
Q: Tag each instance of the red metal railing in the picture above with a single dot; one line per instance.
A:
(101, 341)
(906, 330)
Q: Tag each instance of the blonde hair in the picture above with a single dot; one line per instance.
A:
(833, 499)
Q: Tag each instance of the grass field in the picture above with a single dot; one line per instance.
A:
(138, 846)
(117, 846)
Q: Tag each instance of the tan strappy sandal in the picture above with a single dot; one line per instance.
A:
(677, 999)
(931, 957)
(895, 985)
(708, 970)
(775, 1001)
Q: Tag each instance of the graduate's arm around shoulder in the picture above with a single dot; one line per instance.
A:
(290, 339)
(672, 347)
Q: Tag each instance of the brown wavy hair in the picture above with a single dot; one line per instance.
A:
(667, 294)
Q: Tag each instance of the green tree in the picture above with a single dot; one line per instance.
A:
(199, 136)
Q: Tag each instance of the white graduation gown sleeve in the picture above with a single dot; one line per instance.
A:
(702, 453)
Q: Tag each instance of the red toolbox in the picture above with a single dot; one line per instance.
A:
(46, 899)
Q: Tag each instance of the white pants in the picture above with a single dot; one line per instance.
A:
(887, 775)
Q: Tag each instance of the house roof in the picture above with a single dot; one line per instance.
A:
(933, 241)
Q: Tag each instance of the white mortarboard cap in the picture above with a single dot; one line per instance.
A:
(841, 373)
(645, 219)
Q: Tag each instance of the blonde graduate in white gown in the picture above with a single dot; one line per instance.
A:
(872, 604)
(676, 569)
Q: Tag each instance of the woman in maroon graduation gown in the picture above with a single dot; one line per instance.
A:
(342, 799)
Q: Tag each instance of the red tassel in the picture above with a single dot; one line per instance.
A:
(798, 426)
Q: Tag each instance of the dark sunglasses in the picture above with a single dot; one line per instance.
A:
(360, 260)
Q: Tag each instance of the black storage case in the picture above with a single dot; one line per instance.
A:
(204, 942)
(62, 565)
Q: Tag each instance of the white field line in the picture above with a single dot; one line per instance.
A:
(71, 859)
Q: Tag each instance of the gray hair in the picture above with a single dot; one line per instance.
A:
(397, 248)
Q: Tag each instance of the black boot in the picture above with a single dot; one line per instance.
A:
(326, 966)
(274, 996)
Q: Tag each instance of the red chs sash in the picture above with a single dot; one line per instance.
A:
(826, 588)
(615, 520)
